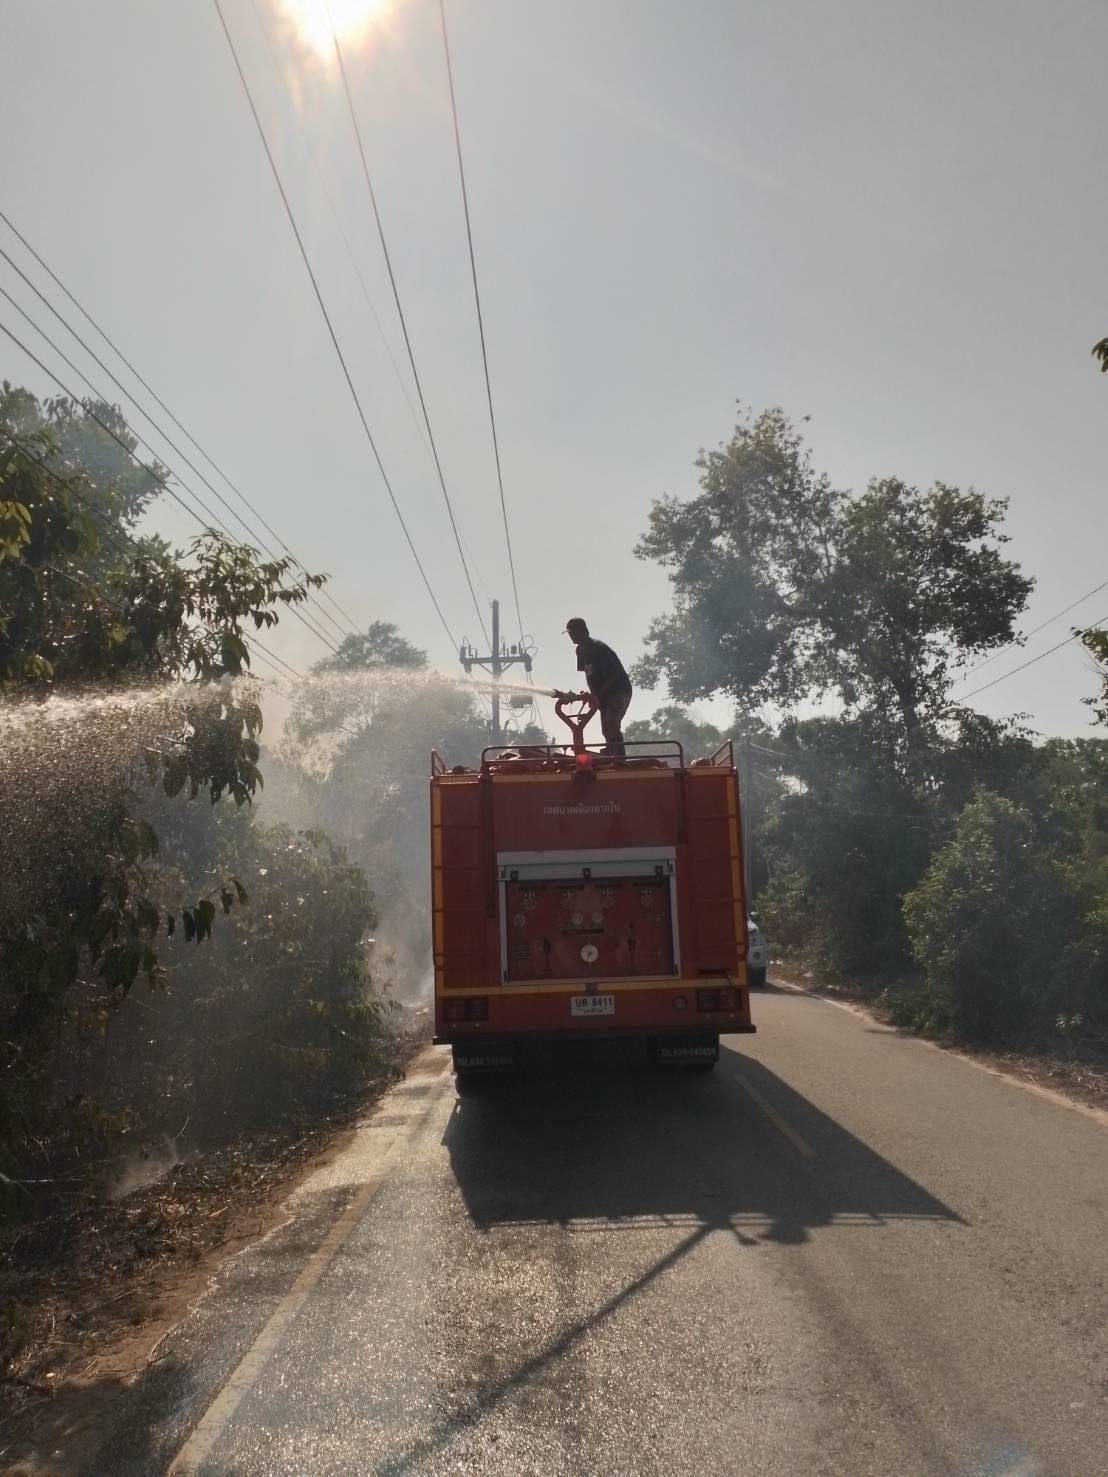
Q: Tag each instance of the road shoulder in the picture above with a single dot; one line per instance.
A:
(104, 1318)
(1069, 1084)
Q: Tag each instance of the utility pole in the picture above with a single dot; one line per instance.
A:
(499, 659)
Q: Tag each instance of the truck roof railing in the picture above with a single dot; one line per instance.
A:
(641, 754)
(664, 752)
(724, 756)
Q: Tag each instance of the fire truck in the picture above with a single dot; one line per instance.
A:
(581, 894)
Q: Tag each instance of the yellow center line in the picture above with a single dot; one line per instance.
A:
(783, 1127)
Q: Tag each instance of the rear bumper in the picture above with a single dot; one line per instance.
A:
(472, 1035)
(638, 1009)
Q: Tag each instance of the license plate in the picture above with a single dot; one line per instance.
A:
(592, 1005)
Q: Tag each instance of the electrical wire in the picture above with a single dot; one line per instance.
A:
(480, 315)
(161, 481)
(400, 312)
(327, 320)
(1036, 629)
(253, 641)
(1073, 636)
(159, 401)
(129, 549)
(251, 532)
(66, 485)
(421, 428)
(299, 614)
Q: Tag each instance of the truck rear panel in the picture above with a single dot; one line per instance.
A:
(585, 896)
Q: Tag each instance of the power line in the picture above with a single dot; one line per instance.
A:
(299, 614)
(480, 316)
(150, 420)
(400, 313)
(161, 481)
(274, 658)
(1036, 629)
(421, 429)
(65, 485)
(1073, 636)
(327, 320)
(159, 401)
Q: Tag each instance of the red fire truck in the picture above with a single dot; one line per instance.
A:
(579, 894)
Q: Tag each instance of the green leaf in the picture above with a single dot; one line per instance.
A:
(120, 965)
(233, 651)
(205, 917)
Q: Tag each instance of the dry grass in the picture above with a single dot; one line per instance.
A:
(82, 1290)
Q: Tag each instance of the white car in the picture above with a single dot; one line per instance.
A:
(757, 955)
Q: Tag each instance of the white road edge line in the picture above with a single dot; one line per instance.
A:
(1059, 1099)
(215, 1419)
(823, 1000)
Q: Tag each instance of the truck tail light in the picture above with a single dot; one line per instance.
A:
(718, 999)
(475, 1008)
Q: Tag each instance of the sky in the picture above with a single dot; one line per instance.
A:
(886, 216)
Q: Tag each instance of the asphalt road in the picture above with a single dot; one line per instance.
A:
(845, 1252)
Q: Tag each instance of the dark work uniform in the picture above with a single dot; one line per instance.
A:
(604, 672)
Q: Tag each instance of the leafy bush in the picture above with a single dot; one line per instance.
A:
(992, 925)
(278, 1010)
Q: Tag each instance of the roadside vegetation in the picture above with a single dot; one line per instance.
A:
(953, 865)
(174, 971)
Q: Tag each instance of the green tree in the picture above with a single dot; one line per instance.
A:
(674, 722)
(346, 689)
(787, 590)
(90, 438)
(1096, 644)
(1100, 351)
(79, 920)
(999, 924)
(380, 647)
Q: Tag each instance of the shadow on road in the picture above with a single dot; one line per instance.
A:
(588, 1139)
(595, 1144)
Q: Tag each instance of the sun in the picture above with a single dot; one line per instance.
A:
(312, 19)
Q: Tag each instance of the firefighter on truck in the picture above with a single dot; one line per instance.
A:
(608, 683)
